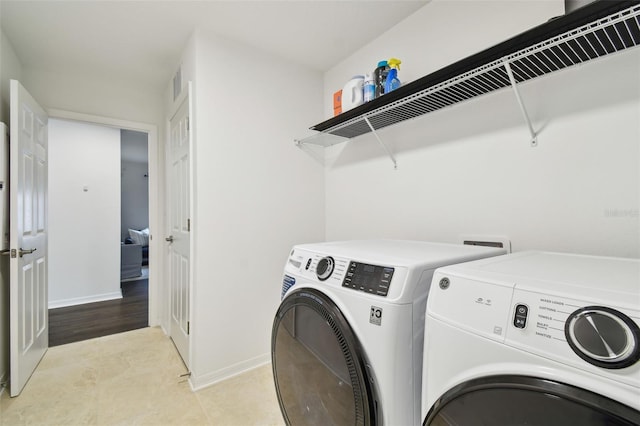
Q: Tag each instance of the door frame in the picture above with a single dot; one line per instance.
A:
(156, 177)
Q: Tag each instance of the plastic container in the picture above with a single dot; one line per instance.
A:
(369, 88)
(380, 75)
(392, 81)
(352, 93)
(337, 102)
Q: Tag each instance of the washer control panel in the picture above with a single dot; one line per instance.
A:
(371, 279)
(600, 339)
(604, 340)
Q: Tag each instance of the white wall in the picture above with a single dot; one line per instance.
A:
(84, 213)
(470, 169)
(257, 194)
(10, 68)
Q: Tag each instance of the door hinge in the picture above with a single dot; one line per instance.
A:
(188, 225)
(188, 327)
(8, 252)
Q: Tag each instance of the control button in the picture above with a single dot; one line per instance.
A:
(603, 337)
(520, 317)
(308, 264)
(324, 269)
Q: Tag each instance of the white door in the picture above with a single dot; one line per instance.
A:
(29, 330)
(179, 198)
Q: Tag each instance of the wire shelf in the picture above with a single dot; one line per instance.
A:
(602, 37)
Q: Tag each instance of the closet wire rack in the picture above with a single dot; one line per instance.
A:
(602, 37)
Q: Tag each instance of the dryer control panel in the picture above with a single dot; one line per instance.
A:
(372, 279)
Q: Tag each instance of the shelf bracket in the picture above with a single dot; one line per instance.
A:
(384, 145)
(534, 136)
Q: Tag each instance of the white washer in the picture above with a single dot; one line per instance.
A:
(347, 338)
(533, 338)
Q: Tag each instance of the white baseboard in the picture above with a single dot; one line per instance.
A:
(87, 299)
(209, 379)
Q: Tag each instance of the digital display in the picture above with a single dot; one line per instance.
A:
(371, 279)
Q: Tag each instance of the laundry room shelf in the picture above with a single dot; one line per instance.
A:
(598, 29)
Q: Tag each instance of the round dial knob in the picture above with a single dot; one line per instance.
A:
(603, 337)
(325, 268)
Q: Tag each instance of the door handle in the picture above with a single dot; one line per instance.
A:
(23, 252)
(169, 239)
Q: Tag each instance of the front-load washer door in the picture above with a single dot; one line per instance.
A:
(319, 368)
(523, 400)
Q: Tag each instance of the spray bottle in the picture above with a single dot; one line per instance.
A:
(392, 82)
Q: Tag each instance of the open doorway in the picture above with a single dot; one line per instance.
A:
(134, 206)
(89, 165)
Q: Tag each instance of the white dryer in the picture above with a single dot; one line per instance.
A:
(533, 338)
(347, 338)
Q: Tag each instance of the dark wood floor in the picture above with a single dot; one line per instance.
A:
(82, 322)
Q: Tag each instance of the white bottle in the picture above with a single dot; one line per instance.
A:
(352, 93)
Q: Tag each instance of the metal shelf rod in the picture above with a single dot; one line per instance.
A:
(384, 145)
(523, 109)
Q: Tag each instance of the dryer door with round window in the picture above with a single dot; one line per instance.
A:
(319, 367)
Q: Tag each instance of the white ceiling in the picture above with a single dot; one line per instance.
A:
(142, 40)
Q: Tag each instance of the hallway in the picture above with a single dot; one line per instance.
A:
(90, 320)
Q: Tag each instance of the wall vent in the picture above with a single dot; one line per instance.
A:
(486, 241)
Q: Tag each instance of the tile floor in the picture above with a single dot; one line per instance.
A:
(133, 378)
